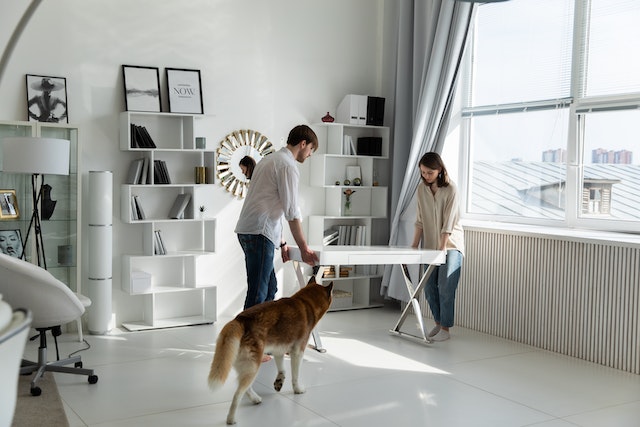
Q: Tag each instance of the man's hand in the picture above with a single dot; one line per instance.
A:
(309, 256)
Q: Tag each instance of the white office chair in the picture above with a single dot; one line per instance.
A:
(13, 337)
(52, 304)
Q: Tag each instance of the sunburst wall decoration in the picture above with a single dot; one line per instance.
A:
(233, 148)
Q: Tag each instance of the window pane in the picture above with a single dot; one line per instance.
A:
(519, 164)
(522, 51)
(611, 174)
(613, 63)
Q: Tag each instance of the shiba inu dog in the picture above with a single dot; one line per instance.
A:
(276, 327)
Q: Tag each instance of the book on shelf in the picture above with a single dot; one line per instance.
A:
(179, 206)
(158, 244)
(330, 237)
(160, 172)
(140, 137)
(352, 235)
(145, 172)
(138, 208)
(348, 146)
(135, 171)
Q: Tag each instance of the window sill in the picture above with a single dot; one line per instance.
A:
(626, 240)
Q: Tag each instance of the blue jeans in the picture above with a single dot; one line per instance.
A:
(441, 286)
(261, 277)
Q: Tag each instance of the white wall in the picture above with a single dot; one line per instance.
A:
(266, 65)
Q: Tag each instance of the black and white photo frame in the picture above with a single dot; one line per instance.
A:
(184, 88)
(11, 243)
(142, 88)
(47, 99)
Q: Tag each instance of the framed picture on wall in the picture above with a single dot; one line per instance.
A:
(47, 99)
(11, 243)
(9, 205)
(185, 91)
(141, 88)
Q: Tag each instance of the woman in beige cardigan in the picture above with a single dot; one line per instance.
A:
(438, 227)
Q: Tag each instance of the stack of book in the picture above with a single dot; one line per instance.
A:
(139, 172)
(345, 270)
(158, 244)
(329, 272)
(160, 172)
(330, 237)
(352, 235)
(137, 212)
(140, 137)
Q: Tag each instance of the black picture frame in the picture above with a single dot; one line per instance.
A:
(141, 88)
(11, 243)
(184, 88)
(47, 99)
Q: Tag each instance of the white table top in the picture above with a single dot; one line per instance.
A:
(372, 255)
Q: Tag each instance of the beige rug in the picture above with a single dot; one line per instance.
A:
(45, 410)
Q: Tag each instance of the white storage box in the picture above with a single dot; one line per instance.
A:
(140, 282)
(341, 299)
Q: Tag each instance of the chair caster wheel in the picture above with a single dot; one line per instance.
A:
(93, 379)
(36, 391)
(78, 365)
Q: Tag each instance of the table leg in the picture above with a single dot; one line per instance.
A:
(316, 336)
(415, 304)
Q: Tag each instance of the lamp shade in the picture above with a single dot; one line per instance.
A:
(49, 156)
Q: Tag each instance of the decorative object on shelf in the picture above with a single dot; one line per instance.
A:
(11, 243)
(38, 157)
(357, 182)
(200, 175)
(9, 205)
(141, 88)
(337, 182)
(201, 142)
(353, 174)
(233, 148)
(202, 210)
(100, 252)
(327, 118)
(347, 182)
(185, 91)
(43, 105)
(48, 205)
(347, 201)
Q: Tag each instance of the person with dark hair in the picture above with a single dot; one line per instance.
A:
(247, 164)
(272, 195)
(438, 227)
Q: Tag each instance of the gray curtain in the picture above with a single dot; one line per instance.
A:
(431, 39)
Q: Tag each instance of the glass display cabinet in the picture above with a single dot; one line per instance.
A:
(59, 206)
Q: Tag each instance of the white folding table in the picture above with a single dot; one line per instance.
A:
(378, 255)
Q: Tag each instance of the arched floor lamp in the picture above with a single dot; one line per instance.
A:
(35, 156)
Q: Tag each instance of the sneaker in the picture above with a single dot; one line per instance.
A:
(442, 335)
(434, 331)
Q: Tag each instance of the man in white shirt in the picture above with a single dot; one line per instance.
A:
(273, 193)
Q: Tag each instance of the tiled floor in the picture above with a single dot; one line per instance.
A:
(367, 377)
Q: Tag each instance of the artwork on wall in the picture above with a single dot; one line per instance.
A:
(11, 243)
(9, 205)
(141, 88)
(47, 99)
(185, 91)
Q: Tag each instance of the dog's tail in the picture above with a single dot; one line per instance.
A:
(227, 347)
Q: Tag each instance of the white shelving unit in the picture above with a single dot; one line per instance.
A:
(328, 167)
(173, 292)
